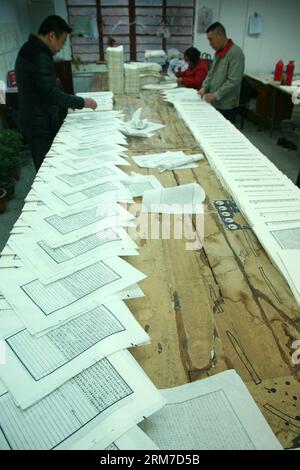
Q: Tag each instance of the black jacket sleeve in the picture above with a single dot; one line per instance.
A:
(43, 74)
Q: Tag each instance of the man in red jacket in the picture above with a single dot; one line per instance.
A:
(196, 71)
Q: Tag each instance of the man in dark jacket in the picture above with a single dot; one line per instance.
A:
(41, 103)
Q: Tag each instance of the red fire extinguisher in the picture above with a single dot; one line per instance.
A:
(278, 71)
(289, 72)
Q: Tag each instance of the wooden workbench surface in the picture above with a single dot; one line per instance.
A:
(224, 306)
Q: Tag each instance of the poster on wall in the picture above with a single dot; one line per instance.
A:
(255, 24)
(205, 19)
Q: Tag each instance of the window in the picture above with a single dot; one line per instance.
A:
(136, 24)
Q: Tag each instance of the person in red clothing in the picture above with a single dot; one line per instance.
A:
(196, 71)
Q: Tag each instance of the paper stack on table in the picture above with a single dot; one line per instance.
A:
(115, 64)
(73, 282)
(157, 56)
(265, 196)
(88, 140)
(138, 74)
(104, 100)
(98, 405)
(138, 127)
(74, 199)
(50, 260)
(161, 86)
(132, 78)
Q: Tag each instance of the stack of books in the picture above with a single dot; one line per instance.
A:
(115, 63)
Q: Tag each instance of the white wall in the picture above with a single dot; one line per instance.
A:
(280, 38)
(14, 26)
(61, 10)
(15, 11)
(26, 16)
(39, 10)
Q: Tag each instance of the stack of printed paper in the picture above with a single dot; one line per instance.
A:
(68, 381)
(104, 100)
(267, 198)
(115, 64)
(132, 78)
(157, 56)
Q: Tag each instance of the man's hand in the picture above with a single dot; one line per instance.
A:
(90, 103)
(180, 80)
(209, 97)
(201, 92)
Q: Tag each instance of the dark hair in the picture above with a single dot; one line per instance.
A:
(192, 54)
(216, 27)
(56, 24)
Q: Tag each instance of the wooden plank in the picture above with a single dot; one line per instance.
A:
(278, 400)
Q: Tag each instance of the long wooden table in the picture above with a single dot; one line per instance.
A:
(224, 306)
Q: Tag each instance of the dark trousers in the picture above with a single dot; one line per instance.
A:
(298, 180)
(228, 114)
(39, 146)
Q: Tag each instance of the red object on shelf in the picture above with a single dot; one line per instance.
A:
(278, 71)
(289, 72)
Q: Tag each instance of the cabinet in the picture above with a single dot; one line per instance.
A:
(272, 105)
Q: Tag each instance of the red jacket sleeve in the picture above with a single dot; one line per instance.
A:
(194, 76)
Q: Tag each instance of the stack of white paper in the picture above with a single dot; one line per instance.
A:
(91, 139)
(37, 365)
(115, 64)
(62, 319)
(147, 73)
(98, 405)
(132, 78)
(67, 180)
(265, 196)
(156, 56)
(63, 228)
(42, 305)
(147, 67)
(161, 86)
(73, 199)
(49, 261)
(104, 100)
